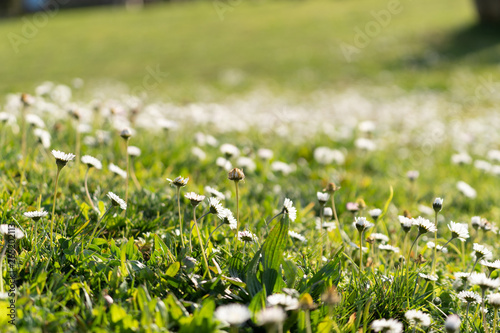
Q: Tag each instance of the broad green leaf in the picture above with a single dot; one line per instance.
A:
(253, 283)
(236, 266)
(272, 253)
(173, 269)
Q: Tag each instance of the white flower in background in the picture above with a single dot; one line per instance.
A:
(481, 252)
(265, 154)
(494, 155)
(34, 120)
(469, 297)
(246, 236)
(365, 144)
(297, 236)
(289, 209)
(167, 124)
(390, 248)
(43, 137)
(418, 318)
(427, 277)
(380, 237)
(452, 323)
(229, 150)
(412, 175)
(233, 314)
(91, 162)
(424, 225)
(215, 193)
(117, 201)
(362, 224)
(426, 210)
(117, 170)
(491, 265)
(466, 190)
(387, 326)
(322, 197)
(269, 316)
(199, 153)
(406, 222)
(195, 198)
(483, 165)
(327, 212)
(286, 301)
(476, 222)
(246, 163)
(462, 158)
(134, 151)
(431, 245)
(367, 126)
(326, 156)
(223, 163)
(459, 230)
(375, 213)
(283, 167)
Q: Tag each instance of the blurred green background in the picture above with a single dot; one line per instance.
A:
(234, 47)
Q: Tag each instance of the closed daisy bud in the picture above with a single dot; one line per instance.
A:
(322, 197)
(126, 133)
(236, 175)
(331, 188)
(179, 181)
(327, 212)
(437, 205)
(331, 296)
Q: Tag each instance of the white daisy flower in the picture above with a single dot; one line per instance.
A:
(462, 158)
(387, 326)
(362, 224)
(406, 223)
(437, 205)
(223, 163)
(91, 162)
(246, 163)
(265, 154)
(194, 198)
(424, 225)
(229, 150)
(375, 213)
(216, 207)
(289, 209)
(134, 151)
(117, 170)
(491, 265)
(466, 190)
(429, 277)
(459, 230)
(43, 137)
(481, 252)
(481, 280)
(322, 197)
(36, 215)
(476, 222)
(117, 201)
(34, 120)
(452, 323)
(412, 175)
(246, 236)
(228, 218)
(327, 212)
(418, 318)
(282, 167)
(233, 314)
(268, 316)
(494, 300)
(62, 158)
(380, 237)
(215, 193)
(287, 302)
(391, 248)
(469, 297)
(179, 181)
(431, 245)
(297, 236)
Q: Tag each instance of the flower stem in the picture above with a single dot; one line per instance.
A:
(361, 251)
(128, 171)
(180, 216)
(98, 223)
(435, 244)
(54, 209)
(134, 177)
(237, 207)
(495, 319)
(209, 236)
(308, 322)
(201, 245)
(336, 218)
(87, 189)
(483, 310)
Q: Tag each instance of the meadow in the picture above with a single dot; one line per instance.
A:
(263, 183)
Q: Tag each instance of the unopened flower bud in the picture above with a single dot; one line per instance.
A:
(236, 175)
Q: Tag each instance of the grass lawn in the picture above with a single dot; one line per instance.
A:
(284, 45)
